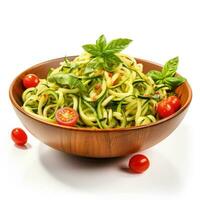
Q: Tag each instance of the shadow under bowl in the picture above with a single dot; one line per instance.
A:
(97, 143)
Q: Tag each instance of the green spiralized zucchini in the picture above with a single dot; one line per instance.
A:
(122, 98)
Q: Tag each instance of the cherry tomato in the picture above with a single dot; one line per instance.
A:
(67, 116)
(19, 136)
(139, 163)
(30, 80)
(164, 109)
(174, 102)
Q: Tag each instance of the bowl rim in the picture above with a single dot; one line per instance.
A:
(19, 108)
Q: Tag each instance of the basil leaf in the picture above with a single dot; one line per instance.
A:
(92, 49)
(107, 67)
(111, 62)
(174, 82)
(155, 75)
(112, 59)
(101, 43)
(117, 45)
(166, 76)
(93, 64)
(67, 80)
(170, 67)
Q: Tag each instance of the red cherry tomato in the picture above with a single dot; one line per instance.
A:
(174, 102)
(67, 116)
(164, 109)
(19, 136)
(139, 163)
(30, 80)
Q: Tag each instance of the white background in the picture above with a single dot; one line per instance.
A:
(35, 31)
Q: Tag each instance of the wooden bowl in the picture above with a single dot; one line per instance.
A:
(98, 143)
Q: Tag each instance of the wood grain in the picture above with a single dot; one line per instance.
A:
(96, 142)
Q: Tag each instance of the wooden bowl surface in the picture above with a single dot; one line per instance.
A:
(96, 142)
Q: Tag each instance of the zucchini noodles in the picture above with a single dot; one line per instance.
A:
(124, 97)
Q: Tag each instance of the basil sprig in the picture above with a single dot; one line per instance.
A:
(167, 75)
(68, 80)
(103, 53)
